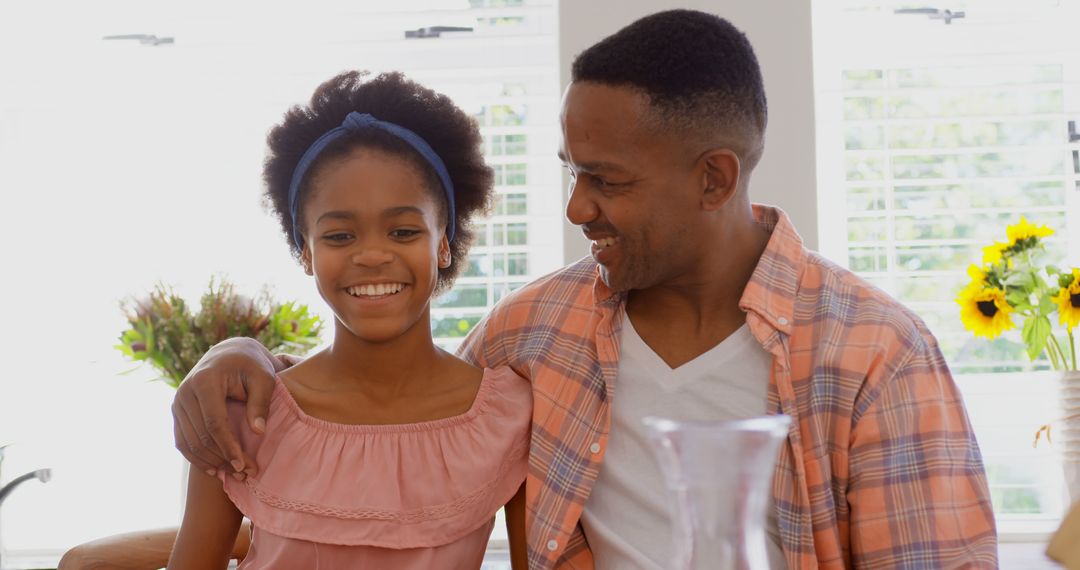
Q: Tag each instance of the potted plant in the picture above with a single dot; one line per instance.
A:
(164, 332)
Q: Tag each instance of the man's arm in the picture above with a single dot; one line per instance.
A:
(238, 369)
(145, 550)
(917, 489)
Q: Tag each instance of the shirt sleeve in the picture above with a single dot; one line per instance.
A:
(917, 492)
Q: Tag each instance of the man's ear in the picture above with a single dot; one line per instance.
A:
(721, 179)
(305, 259)
(445, 258)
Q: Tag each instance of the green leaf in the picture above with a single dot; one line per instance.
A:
(1046, 304)
(1018, 299)
(1021, 279)
(1036, 332)
(1052, 269)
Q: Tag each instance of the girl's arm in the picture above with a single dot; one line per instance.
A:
(515, 530)
(210, 524)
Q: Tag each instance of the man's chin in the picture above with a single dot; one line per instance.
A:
(614, 281)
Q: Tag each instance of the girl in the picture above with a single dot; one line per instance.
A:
(381, 451)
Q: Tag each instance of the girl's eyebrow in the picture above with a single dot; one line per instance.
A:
(336, 215)
(387, 213)
(400, 210)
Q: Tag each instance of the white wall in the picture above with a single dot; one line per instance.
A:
(780, 33)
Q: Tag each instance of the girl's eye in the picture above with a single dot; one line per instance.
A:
(403, 233)
(340, 237)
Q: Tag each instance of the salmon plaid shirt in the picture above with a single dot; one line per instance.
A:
(880, 468)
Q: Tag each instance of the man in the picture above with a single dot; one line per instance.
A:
(695, 304)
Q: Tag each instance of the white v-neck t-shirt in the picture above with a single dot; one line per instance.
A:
(627, 520)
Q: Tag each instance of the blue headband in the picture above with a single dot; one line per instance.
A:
(356, 122)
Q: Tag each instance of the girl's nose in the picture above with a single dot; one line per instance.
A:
(372, 257)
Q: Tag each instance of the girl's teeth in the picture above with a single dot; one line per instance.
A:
(379, 290)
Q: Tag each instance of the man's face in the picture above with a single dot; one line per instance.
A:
(634, 193)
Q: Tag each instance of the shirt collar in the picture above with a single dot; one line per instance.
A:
(771, 291)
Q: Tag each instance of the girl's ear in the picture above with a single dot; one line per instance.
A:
(445, 258)
(305, 259)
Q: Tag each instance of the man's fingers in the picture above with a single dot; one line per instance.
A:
(190, 445)
(181, 445)
(260, 387)
(213, 419)
(287, 361)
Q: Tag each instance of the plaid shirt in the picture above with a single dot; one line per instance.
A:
(880, 468)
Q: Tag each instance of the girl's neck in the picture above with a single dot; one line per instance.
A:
(403, 360)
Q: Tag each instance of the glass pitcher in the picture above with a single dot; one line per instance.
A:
(719, 474)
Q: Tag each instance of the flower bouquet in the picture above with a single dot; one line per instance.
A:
(1012, 283)
(164, 331)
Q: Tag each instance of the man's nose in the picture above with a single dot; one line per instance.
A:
(580, 209)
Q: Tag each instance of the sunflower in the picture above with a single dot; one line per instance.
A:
(1025, 234)
(976, 273)
(993, 253)
(984, 310)
(1068, 300)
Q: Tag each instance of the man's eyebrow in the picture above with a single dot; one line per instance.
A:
(596, 166)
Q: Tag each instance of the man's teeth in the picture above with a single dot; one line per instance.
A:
(377, 290)
(605, 242)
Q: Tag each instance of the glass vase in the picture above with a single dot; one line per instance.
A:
(719, 474)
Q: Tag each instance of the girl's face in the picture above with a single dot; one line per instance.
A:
(374, 243)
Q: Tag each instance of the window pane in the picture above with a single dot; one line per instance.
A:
(464, 296)
(517, 234)
(515, 204)
(454, 326)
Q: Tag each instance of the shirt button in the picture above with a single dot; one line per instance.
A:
(595, 448)
(782, 321)
(552, 545)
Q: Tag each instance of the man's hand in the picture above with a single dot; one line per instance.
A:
(240, 369)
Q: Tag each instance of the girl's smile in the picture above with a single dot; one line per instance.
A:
(374, 240)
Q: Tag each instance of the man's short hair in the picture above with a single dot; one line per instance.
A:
(698, 71)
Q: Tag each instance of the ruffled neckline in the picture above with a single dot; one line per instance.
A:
(478, 407)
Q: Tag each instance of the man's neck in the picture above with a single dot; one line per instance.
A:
(683, 318)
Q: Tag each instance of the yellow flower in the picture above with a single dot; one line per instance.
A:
(976, 273)
(1068, 302)
(984, 310)
(1023, 230)
(993, 253)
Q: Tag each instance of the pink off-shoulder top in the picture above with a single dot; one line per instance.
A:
(408, 496)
